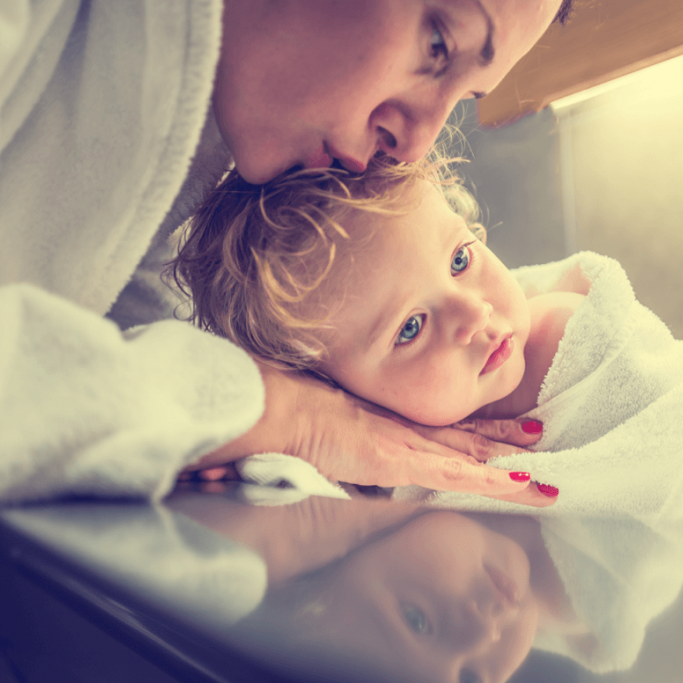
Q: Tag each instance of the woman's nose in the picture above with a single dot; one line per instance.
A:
(405, 132)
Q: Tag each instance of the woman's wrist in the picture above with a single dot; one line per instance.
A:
(276, 428)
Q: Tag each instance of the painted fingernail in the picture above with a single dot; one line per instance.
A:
(520, 476)
(547, 490)
(532, 427)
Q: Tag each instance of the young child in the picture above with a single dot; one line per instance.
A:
(379, 284)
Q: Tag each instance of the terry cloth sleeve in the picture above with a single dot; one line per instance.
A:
(85, 410)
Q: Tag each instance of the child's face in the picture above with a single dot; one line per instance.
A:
(431, 324)
(304, 81)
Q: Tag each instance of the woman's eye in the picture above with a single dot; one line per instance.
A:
(411, 329)
(461, 260)
(416, 619)
(438, 44)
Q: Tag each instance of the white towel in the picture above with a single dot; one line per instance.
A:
(84, 410)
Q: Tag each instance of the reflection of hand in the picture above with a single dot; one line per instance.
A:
(348, 439)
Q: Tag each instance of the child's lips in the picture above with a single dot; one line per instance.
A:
(499, 356)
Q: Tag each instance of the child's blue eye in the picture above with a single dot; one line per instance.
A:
(461, 260)
(411, 329)
(416, 619)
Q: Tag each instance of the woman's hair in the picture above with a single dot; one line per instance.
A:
(252, 254)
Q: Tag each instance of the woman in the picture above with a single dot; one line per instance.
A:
(102, 106)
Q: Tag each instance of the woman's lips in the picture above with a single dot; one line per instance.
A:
(325, 155)
(499, 356)
(349, 163)
(321, 158)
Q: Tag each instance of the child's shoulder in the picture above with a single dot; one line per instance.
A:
(550, 314)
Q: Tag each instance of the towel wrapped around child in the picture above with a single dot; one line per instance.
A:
(612, 409)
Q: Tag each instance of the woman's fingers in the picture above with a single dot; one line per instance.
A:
(464, 474)
(531, 495)
(521, 432)
(492, 438)
(347, 439)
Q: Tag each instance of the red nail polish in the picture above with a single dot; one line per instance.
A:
(520, 476)
(532, 427)
(547, 490)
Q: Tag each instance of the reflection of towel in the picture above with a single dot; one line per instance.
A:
(612, 408)
(161, 556)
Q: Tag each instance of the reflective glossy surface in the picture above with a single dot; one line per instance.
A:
(209, 587)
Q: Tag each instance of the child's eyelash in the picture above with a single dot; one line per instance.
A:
(470, 255)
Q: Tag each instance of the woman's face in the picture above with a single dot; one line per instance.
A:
(442, 599)
(301, 82)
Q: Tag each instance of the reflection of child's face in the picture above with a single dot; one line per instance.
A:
(432, 324)
(442, 599)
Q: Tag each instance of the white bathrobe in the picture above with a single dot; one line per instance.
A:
(102, 105)
(612, 411)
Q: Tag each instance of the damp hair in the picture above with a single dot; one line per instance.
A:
(253, 255)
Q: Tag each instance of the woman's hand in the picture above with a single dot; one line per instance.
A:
(348, 439)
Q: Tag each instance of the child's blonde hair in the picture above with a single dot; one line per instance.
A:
(252, 254)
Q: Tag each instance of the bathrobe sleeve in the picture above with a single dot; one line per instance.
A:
(102, 106)
(85, 410)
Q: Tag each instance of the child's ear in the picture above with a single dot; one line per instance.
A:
(479, 231)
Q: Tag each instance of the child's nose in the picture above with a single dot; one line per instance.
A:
(473, 628)
(470, 314)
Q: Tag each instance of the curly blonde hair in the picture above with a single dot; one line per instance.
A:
(252, 254)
